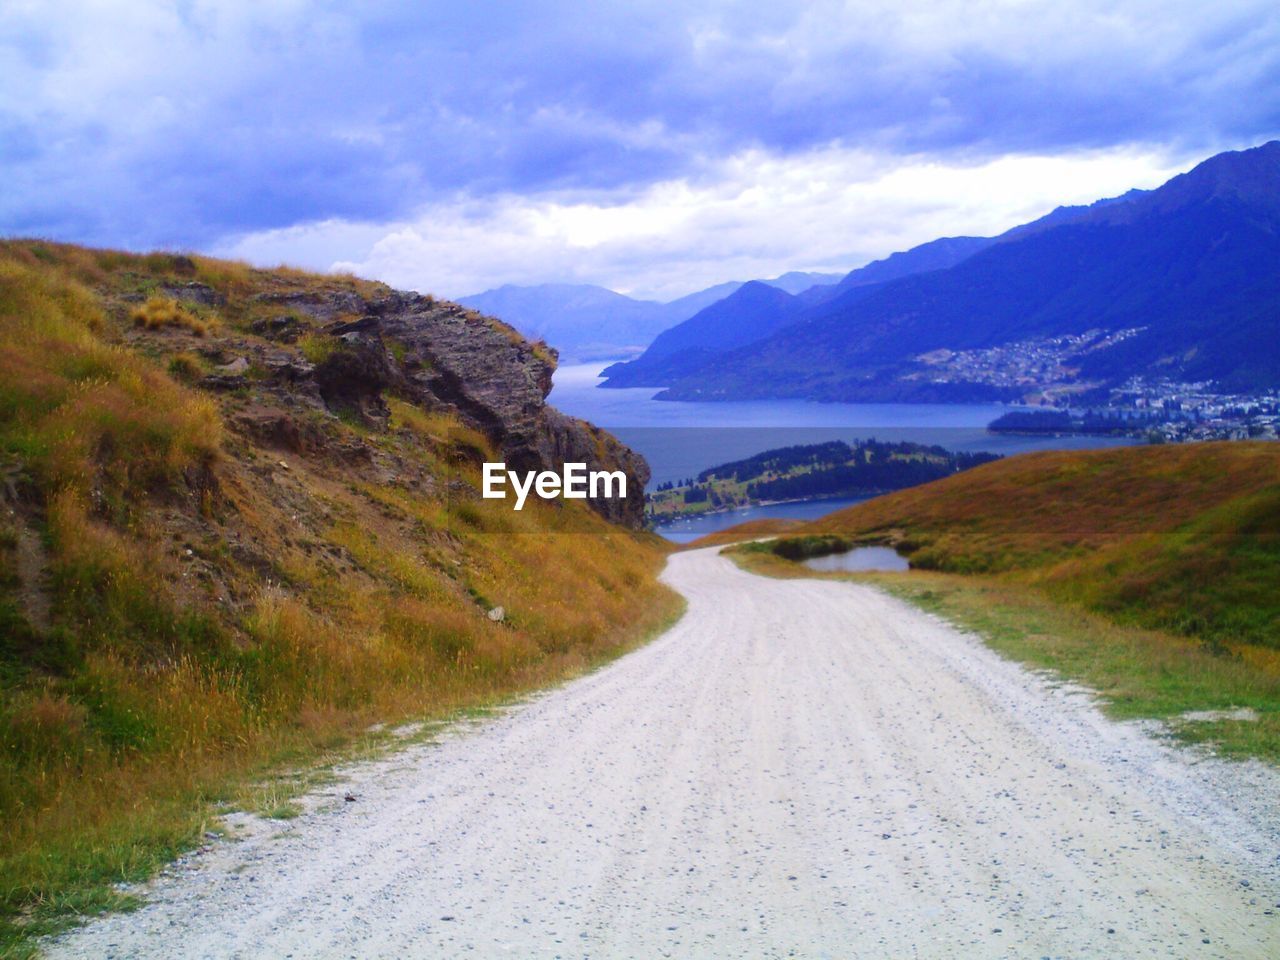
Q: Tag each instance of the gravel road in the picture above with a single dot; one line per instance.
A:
(797, 769)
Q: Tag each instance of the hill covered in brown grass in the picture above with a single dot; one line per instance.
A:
(1184, 538)
(242, 522)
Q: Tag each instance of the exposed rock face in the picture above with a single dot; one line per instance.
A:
(499, 382)
(442, 356)
(566, 439)
(322, 307)
(194, 293)
(354, 376)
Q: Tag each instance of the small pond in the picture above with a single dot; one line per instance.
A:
(859, 559)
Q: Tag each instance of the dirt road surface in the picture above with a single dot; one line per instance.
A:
(797, 769)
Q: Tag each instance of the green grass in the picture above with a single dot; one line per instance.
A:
(318, 347)
(1138, 673)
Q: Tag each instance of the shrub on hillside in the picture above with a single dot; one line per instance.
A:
(160, 312)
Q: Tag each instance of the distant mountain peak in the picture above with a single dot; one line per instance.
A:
(1251, 175)
(758, 291)
(754, 311)
(797, 281)
(1182, 279)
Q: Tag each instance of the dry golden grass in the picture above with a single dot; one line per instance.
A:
(186, 367)
(161, 312)
(212, 615)
(1179, 537)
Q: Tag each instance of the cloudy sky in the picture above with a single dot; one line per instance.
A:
(655, 148)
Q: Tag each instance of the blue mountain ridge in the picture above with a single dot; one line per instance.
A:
(1191, 270)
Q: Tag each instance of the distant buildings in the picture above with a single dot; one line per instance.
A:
(1045, 371)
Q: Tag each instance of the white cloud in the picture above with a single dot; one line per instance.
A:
(753, 215)
(178, 123)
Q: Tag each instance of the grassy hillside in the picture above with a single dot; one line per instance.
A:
(1184, 538)
(204, 572)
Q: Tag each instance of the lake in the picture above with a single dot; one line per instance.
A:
(691, 528)
(682, 438)
(859, 560)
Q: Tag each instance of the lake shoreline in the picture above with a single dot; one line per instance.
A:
(841, 497)
(680, 439)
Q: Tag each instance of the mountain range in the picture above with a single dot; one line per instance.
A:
(586, 322)
(754, 311)
(1181, 282)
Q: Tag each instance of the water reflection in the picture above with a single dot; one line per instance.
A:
(859, 559)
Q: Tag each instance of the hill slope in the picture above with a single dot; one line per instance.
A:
(242, 521)
(751, 313)
(937, 254)
(1183, 537)
(1179, 282)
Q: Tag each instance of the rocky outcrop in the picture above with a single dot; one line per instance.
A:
(498, 382)
(569, 440)
(439, 355)
(318, 305)
(354, 376)
(193, 292)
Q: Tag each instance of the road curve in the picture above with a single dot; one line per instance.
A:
(797, 769)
